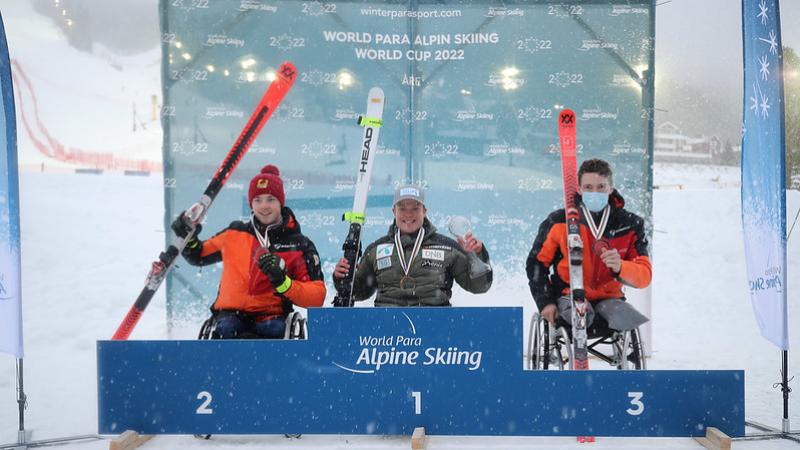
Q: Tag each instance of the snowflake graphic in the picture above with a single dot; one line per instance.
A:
(531, 45)
(764, 66)
(763, 14)
(317, 149)
(406, 115)
(532, 114)
(316, 220)
(754, 99)
(315, 8)
(772, 41)
(561, 79)
(282, 113)
(284, 42)
(563, 11)
(315, 77)
(764, 105)
(760, 105)
(527, 184)
(437, 150)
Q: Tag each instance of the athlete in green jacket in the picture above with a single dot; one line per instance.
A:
(413, 265)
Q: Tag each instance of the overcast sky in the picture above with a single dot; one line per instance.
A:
(701, 40)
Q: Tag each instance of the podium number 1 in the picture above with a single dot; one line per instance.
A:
(417, 401)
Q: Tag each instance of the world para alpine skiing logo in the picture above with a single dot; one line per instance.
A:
(771, 280)
(407, 349)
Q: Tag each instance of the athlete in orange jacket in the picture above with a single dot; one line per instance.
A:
(268, 264)
(615, 251)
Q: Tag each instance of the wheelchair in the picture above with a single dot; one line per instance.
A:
(551, 347)
(296, 328)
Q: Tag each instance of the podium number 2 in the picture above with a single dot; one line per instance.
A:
(203, 408)
(417, 401)
(636, 401)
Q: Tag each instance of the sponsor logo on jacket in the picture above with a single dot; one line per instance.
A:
(428, 253)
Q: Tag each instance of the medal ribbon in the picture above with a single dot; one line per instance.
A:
(401, 253)
(597, 231)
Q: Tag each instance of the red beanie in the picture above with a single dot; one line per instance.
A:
(267, 182)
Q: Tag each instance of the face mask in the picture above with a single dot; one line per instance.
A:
(595, 201)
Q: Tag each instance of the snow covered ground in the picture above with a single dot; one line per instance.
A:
(84, 261)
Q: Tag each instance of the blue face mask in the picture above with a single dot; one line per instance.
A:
(595, 201)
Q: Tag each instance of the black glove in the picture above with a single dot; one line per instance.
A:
(182, 227)
(274, 268)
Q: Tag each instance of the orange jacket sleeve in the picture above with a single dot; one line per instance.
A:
(306, 293)
(637, 272)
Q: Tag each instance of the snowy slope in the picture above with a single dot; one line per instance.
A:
(83, 100)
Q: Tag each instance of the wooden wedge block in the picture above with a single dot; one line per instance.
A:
(715, 440)
(418, 439)
(129, 440)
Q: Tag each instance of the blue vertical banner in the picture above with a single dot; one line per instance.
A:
(10, 278)
(763, 168)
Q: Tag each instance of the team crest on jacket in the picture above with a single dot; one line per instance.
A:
(384, 251)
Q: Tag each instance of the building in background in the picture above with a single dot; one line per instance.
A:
(671, 145)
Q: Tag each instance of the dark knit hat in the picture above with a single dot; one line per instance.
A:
(267, 182)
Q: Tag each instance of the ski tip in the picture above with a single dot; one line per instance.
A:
(287, 71)
(376, 95)
(566, 117)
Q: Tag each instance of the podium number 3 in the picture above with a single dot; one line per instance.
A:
(636, 402)
(203, 408)
(417, 401)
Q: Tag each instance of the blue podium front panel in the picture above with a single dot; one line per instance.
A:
(454, 371)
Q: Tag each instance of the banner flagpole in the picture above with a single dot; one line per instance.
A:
(22, 400)
(785, 388)
(764, 186)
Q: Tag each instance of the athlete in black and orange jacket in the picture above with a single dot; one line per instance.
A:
(268, 264)
(621, 259)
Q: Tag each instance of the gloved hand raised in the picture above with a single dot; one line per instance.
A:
(182, 227)
(274, 268)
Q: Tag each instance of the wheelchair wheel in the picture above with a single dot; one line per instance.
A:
(206, 329)
(628, 350)
(295, 326)
(547, 347)
(634, 351)
(564, 352)
(537, 343)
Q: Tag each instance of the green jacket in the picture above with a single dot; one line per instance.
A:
(439, 261)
